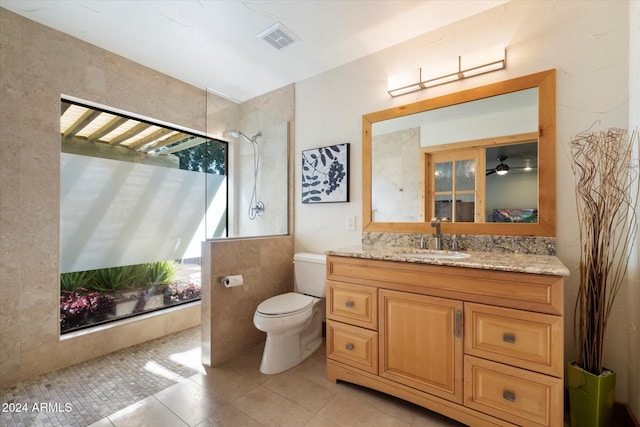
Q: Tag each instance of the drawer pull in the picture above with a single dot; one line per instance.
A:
(457, 327)
(349, 346)
(511, 339)
(348, 304)
(509, 395)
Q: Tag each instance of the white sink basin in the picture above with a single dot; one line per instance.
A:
(435, 255)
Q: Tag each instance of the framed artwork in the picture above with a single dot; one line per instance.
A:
(325, 174)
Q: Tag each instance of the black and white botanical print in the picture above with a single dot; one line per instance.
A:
(325, 174)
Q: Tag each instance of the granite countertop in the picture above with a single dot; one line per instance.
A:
(519, 263)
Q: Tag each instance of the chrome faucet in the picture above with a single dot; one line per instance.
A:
(435, 222)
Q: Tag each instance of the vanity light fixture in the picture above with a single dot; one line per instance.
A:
(465, 67)
(407, 82)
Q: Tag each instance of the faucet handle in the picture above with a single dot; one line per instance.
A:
(454, 243)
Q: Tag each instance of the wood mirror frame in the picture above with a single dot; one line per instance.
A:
(545, 81)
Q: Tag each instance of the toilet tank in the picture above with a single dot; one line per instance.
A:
(310, 273)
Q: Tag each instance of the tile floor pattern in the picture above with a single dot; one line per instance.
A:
(104, 385)
(161, 383)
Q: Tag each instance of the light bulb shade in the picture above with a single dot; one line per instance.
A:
(440, 73)
(404, 90)
(400, 84)
(485, 61)
(502, 169)
(441, 80)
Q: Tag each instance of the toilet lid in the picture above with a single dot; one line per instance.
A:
(285, 303)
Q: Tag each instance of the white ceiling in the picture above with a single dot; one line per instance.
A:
(212, 43)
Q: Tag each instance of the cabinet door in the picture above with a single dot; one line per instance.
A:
(421, 342)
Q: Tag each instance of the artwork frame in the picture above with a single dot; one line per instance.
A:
(325, 174)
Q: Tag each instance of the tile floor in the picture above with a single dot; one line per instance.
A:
(161, 383)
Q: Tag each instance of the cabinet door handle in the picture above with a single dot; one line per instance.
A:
(509, 395)
(348, 304)
(457, 328)
(349, 346)
(510, 338)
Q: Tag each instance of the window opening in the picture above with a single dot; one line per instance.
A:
(137, 199)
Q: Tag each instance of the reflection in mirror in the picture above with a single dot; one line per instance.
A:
(396, 184)
(395, 155)
(514, 120)
(512, 193)
(455, 180)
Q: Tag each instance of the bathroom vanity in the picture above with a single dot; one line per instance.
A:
(478, 339)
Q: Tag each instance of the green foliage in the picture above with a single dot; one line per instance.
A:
(161, 271)
(208, 157)
(119, 278)
(77, 279)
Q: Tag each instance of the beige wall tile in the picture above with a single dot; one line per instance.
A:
(267, 270)
(182, 318)
(38, 66)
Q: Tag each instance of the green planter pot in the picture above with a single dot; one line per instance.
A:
(590, 397)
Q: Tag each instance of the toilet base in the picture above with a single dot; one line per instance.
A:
(283, 351)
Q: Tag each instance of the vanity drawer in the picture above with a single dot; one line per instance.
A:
(354, 304)
(520, 338)
(522, 397)
(357, 347)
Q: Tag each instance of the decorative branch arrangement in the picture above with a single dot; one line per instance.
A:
(606, 182)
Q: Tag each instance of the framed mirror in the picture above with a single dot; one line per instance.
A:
(473, 136)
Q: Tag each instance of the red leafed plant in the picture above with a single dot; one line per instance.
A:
(80, 306)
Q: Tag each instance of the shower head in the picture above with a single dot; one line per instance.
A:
(238, 134)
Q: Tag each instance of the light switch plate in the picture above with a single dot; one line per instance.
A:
(351, 223)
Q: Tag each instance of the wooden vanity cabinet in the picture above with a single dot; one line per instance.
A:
(479, 346)
(411, 326)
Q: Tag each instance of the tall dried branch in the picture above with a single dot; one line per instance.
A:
(606, 182)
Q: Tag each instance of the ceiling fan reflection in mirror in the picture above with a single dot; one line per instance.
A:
(502, 168)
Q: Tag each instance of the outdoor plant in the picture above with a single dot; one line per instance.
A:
(161, 271)
(606, 190)
(119, 278)
(179, 291)
(80, 308)
(77, 279)
(91, 296)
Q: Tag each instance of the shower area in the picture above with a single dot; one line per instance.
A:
(259, 244)
(258, 166)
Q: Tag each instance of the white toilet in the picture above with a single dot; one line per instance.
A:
(293, 321)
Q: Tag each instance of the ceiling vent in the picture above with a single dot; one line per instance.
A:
(277, 36)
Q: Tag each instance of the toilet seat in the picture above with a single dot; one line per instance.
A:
(285, 305)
